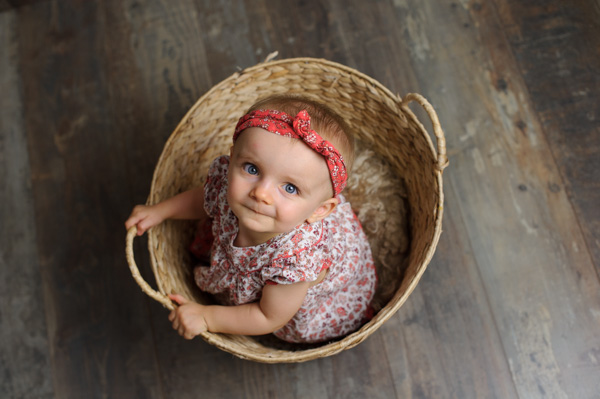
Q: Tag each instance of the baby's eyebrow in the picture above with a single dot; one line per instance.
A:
(245, 156)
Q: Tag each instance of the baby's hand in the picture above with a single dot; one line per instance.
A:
(144, 217)
(188, 318)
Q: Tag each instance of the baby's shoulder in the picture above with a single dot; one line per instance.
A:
(342, 214)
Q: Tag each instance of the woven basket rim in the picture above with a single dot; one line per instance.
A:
(222, 341)
(272, 63)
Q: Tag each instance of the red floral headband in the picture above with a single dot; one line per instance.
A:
(299, 128)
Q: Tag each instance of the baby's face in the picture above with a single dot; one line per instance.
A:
(275, 183)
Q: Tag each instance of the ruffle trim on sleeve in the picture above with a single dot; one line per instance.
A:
(215, 183)
(301, 256)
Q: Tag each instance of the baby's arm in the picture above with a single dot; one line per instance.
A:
(187, 205)
(278, 304)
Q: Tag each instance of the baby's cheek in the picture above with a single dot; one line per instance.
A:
(292, 216)
(233, 189)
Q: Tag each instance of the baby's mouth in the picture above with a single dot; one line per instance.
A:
(257, 211)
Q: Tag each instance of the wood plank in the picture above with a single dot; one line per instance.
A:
(157, 75)
(525, 237)
(4, 5)
(188, 365)
(102, 346)
(566, 37)
(360, 372)
(24, 351)
(367, 35)
(169, 58)
(13, 4)
(225, 32)
(446, 327)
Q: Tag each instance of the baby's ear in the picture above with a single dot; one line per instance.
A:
(323, 210)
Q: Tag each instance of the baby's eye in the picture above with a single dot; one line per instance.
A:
(290, 188)
(250, 169)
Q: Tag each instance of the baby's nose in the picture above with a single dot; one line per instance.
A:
(262, 192)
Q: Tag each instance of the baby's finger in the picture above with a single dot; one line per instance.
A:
(178, 299)
(130, 222)
(141, 229)
(176, 324)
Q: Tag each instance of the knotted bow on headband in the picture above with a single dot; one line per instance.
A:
(299, 128)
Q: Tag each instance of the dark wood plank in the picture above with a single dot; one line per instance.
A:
(13, 4)
(526, 242)
(556, 46)
(24, 352)
(360, 372)
(447, 327)
(225, 33)
(4, 5)
(190, 366)
(98, 331)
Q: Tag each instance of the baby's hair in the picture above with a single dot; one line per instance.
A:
(324, 121)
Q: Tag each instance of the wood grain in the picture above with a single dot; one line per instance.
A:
(13, 4)
(510, 304)
(99, 347)
(521, 241)
(24, 351)
(557, 49)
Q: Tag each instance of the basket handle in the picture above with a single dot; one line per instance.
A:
(442, 158)
(271, 57)
(163, 299)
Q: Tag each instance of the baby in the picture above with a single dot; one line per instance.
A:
(289, 255)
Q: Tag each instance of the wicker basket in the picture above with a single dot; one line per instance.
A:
(378, 117)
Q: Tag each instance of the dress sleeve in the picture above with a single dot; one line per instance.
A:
(216, 182)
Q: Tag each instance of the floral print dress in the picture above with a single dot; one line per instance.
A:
(336, 306)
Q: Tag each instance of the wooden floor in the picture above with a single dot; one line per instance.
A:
(509, 307)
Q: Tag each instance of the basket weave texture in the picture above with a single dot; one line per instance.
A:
(381, 121)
